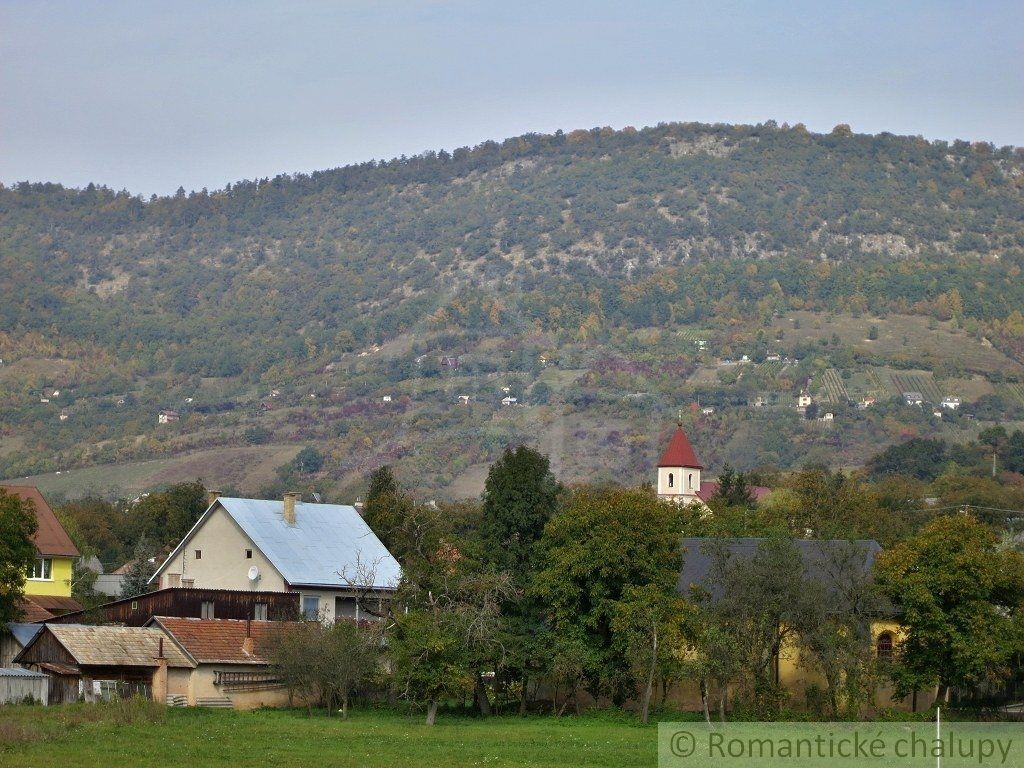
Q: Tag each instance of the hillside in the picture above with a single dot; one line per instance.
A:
(606, 278)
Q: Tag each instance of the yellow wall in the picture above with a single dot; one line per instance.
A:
(59, 583)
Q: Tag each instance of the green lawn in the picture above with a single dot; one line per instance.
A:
(75, 736)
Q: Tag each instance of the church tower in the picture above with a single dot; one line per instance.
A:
(679, 470)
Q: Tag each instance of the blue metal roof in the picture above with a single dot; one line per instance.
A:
(329, 545)
(23, 633)
(18, 672)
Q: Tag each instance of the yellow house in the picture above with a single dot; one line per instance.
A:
(56, 553)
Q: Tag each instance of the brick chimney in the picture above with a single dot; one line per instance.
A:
(290, 500)
(211, 496)
(247, 644)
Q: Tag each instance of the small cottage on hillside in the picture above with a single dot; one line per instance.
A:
(324, 552)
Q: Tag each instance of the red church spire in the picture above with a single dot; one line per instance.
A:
(679, 452)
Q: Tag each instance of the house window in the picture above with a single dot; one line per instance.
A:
(199, 554)
(311, 607)
(671, 480)
(248, 554)
(259, 612)
(135, 605)
(884, 646)
(42, 569)
(206, 609)
(689, 481)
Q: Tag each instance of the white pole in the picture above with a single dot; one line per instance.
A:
(938, 737)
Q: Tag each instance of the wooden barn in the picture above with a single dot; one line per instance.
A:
(189, 602)
(92, 663)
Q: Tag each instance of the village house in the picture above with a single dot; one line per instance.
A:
(913, 398)
(167, 417)
(803, 400)
(48, 586)
(325, 553)
(951, 403)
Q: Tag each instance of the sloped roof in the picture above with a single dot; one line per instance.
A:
(709, 488)
(50, 537)
(19, 672)
(816, 554)
(32, 611)
(56, 604)
(111, 646)
(22, 632)
(679, 452)
(325, 541)
(222, 641)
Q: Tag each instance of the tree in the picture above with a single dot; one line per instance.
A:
(733, 490)
(17, 552)
(600, 545)
(140, 570)
(520, 496)
(308, 461)
(873, 333)
(960, 597)
(346, 656)
(645, 631)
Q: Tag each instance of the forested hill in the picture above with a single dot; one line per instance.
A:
(651, 226)
(567, 250)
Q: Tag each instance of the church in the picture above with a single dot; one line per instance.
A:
(679, 474)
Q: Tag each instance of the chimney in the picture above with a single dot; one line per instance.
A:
(211, 496)
(290, 499)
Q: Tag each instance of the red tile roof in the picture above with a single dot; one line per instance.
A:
(50, 538)
(32, 612)
(679, 452)
(709, 488)
(56, 604)
(222, 640)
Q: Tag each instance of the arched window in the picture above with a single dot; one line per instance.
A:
(671, 479)
(883, 646)
(689, 481)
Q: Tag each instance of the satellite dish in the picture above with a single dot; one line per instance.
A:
(254, 573)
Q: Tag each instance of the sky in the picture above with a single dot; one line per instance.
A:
(150, 96)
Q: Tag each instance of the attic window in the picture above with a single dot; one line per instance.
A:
(259, 612)
(206, 610)
(199, 554)
(248, 554)
(135, 605)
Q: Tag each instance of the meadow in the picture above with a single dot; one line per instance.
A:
(143, 735)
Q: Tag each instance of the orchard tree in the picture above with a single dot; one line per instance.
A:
(17, 552)
(960, 595)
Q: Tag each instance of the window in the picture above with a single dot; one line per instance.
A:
(135, 605)
(671, 479)
(199, 554)
(206, 609)
(248, 554)
(42, 570)
(259, 612)
(311, 606)
(884, 646)
(689, 481)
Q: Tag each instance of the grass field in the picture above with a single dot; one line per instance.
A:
(189, 737)
(220, 467)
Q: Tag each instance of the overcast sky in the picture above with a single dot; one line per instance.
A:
(149, 96)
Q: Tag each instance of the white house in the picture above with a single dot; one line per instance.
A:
(951, 403)
(463, 399)
(386, 399)
(507, 400)
(707, 410)
(803, 400)
(913, 398)
(325, 552)
(166, 417)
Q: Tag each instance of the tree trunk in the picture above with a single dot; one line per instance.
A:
(723, 692)
(431, 711)
(344, 706)
(522, 696)
(483, 703)
(704, 700)
(649, 689)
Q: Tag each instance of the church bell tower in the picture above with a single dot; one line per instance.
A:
(679, 470)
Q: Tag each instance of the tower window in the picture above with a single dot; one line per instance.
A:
(689, 481)
(671, 480)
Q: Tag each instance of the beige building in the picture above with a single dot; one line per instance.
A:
(325, 552)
